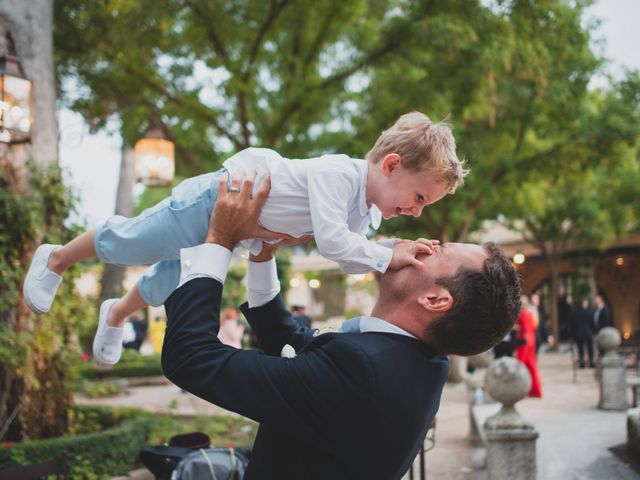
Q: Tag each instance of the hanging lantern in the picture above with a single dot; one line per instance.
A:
(154, 164)
(16, 100)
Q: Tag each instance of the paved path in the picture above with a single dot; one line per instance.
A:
(159, 398)
(574, 441)
(575, 436)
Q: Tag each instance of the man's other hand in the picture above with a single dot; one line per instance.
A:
(235, 214)
(269, 249)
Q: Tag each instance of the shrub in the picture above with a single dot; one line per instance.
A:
(104, 442)
(130, 365)
(223, 430)
(100, 389)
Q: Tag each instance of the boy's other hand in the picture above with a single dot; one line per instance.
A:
(235, 214)
(405, 252)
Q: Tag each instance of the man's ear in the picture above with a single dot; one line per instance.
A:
(390, 162)
(436, 300)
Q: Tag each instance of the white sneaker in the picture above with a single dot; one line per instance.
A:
(41, 284)
(107, 344)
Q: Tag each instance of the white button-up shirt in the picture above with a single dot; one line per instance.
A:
(324, 197)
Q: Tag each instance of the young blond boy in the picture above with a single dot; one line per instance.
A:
(335, 198)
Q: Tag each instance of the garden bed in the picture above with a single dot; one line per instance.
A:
(101, 442)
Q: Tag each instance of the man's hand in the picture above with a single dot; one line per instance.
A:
(235, 214)
(269, 249)
(405, 252)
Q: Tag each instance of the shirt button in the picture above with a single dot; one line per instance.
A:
(380, 264)
(187, 264)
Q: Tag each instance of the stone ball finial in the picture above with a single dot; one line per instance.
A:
(508, 381)
(608, 339)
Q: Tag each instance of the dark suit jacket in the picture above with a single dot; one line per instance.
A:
(349, 406)
(604, 319)
(582, 324)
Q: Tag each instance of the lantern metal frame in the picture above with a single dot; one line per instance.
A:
(142, 169)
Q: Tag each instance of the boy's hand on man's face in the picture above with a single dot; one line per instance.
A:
(235, 214)
(406, 251)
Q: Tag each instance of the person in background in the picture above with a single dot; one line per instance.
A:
(564, 312)
(231, 331)
(507, 346)
(156, 333)
(526, 353)
(582, 331)
(542, 334)
(601, 315)
(299, 315)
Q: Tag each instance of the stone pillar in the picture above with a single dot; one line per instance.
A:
(510, 439)
(633, 432)
(613, 394)
(475, 385)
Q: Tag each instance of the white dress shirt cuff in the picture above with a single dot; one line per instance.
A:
(382, 255)
(207, 260)
(387, 242)
(262, 283)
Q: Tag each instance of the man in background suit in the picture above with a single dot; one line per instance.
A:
(349, 405)
(601, 315)
(300, 316)
(582, 331)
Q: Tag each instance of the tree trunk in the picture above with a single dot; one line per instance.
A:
(113, 275)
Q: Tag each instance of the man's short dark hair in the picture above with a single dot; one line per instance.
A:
(486, 304)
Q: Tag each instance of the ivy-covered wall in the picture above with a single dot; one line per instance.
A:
(39, 354)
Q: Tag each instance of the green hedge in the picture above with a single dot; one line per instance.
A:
(130, 365)
(106, 453)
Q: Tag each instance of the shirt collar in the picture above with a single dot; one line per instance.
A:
(375, 216)
(374, 324)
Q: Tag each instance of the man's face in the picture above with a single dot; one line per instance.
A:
(446, 260)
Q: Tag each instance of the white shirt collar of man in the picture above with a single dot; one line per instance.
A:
(366, 324)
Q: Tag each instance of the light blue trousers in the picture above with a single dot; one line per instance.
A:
(157, 235)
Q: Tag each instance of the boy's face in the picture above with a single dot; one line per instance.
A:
(403, 192)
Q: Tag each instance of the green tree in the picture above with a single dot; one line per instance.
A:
(223, 77)
(513, 76)
(595, 195)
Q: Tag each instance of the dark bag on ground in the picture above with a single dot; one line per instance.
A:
(162, 460)
(213, 464)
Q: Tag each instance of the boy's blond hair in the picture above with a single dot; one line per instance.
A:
(422, 145)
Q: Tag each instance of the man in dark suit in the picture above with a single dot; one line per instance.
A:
(582, 331)
(299, 315)
(349, 405)
(601, 315)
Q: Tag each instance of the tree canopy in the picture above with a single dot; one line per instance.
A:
(328, 76)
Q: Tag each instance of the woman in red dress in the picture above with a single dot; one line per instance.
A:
(526, 353)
